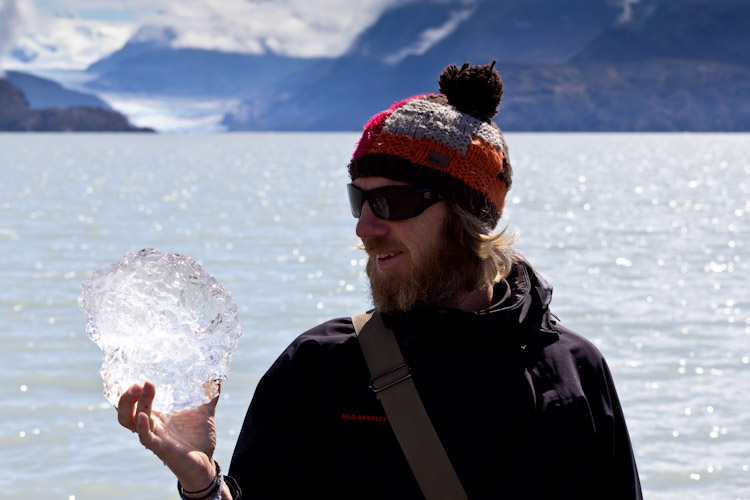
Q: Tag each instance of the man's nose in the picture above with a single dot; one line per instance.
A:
(368, 225)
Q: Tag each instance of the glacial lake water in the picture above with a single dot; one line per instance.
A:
(646, 238)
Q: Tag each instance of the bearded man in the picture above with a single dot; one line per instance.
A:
(522, 407)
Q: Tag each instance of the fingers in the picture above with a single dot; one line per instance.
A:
(144, 429)
(134, 412)
(144, 423)
(134, 401)
(146, 399)
(126, 407)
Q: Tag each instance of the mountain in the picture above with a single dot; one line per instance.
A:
(567, 66)
(148, 65)
(16, 115)
(13, 105)
(672, 65)
(714, 31)
(576, 65)
(403, 53)
(652, 95)
(512, 31)
(43, 93)
(147, 39)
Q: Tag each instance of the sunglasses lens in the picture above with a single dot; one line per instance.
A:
(380, 204)
(392, 202)
(356, 199)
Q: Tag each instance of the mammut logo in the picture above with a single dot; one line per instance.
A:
(363, 418)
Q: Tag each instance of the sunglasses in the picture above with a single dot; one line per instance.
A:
(392, 202)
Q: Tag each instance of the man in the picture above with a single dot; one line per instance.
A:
(523, 407)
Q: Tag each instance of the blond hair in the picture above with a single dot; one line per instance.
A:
(494, 253)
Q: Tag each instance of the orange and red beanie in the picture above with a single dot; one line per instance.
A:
(444, 141)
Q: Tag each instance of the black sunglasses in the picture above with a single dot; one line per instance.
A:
(392, 202)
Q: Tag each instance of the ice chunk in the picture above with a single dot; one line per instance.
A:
(161, 317)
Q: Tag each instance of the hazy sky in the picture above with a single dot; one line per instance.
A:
(81, 31)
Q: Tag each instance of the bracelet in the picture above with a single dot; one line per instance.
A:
(215, 494)
(204, 490)
(212, 491)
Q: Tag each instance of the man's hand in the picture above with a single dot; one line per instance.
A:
(183, 440)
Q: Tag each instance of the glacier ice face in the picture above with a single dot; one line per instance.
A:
(161, 317)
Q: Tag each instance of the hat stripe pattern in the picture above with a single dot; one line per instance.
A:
(477, 169)
(421, 118)
(375, 125)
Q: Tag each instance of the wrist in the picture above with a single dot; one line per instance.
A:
(203, 489)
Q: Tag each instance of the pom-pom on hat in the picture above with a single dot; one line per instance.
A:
(444, 141)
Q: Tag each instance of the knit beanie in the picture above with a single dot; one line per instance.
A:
(446, 141)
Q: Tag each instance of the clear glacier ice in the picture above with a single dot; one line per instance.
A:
(161, 317)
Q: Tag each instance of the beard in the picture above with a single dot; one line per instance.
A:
(438, 280)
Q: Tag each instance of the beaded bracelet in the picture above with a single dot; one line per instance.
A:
(212, 491)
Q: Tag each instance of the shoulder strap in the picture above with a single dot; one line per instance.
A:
(391, 381)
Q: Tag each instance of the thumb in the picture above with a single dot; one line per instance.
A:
(211, 405)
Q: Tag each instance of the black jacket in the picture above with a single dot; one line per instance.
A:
(525, 408)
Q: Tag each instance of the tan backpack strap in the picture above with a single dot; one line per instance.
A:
(392, 383)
